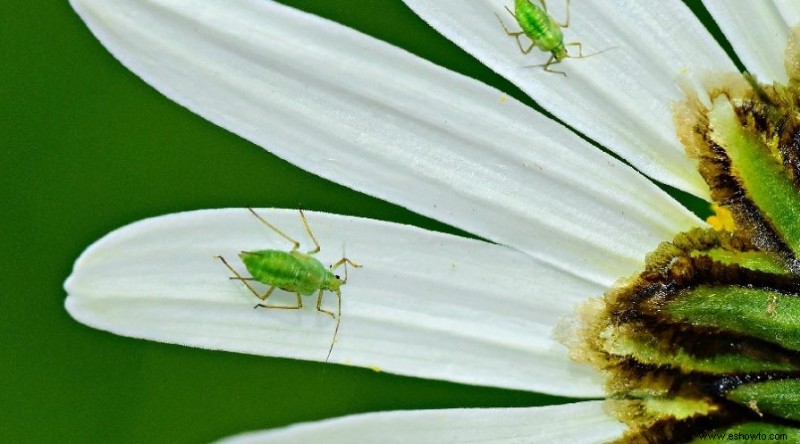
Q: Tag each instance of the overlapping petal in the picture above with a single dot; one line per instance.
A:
(382, 121)
(621, 98)
(424, 304)
(579, 423)
(758, 31)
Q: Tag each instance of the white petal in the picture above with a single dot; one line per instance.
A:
(578, 423)
(621, 98)
(758, 31)
(424, 304)
(382, 121)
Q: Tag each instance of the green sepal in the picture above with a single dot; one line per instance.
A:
(768, 315)
(753, 260)
(762, 176)
(627, 341)
(778, 397)
(750, 433)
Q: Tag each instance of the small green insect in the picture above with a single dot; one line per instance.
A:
(293, 271)
(543, 31)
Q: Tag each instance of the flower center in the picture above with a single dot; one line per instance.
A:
(704, 344)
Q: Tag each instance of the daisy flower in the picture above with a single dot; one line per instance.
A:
(561, 221)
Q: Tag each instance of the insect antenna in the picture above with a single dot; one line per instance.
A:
(551, 61)
(581, 55)
(344, 255)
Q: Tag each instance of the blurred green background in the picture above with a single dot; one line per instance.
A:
(88, 147)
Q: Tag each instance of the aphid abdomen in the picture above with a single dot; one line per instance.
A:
(543, 31)
(274, 267)
(312, 274)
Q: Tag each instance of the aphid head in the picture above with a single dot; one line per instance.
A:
(334, 282)
(560, 53)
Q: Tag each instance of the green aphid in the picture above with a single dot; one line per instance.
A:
(543, 31)
(293, 271)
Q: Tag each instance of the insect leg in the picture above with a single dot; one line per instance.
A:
(338, 320)
(552, 61)
(345, 261)
(310, 234)
(566, 23)
(563, 25)
(319, 305)
(342, 261)
(580, 50)
(285, 307)
(525, 51)
(275, 229)
(244, 280)
(516, 35)
(505, 28)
